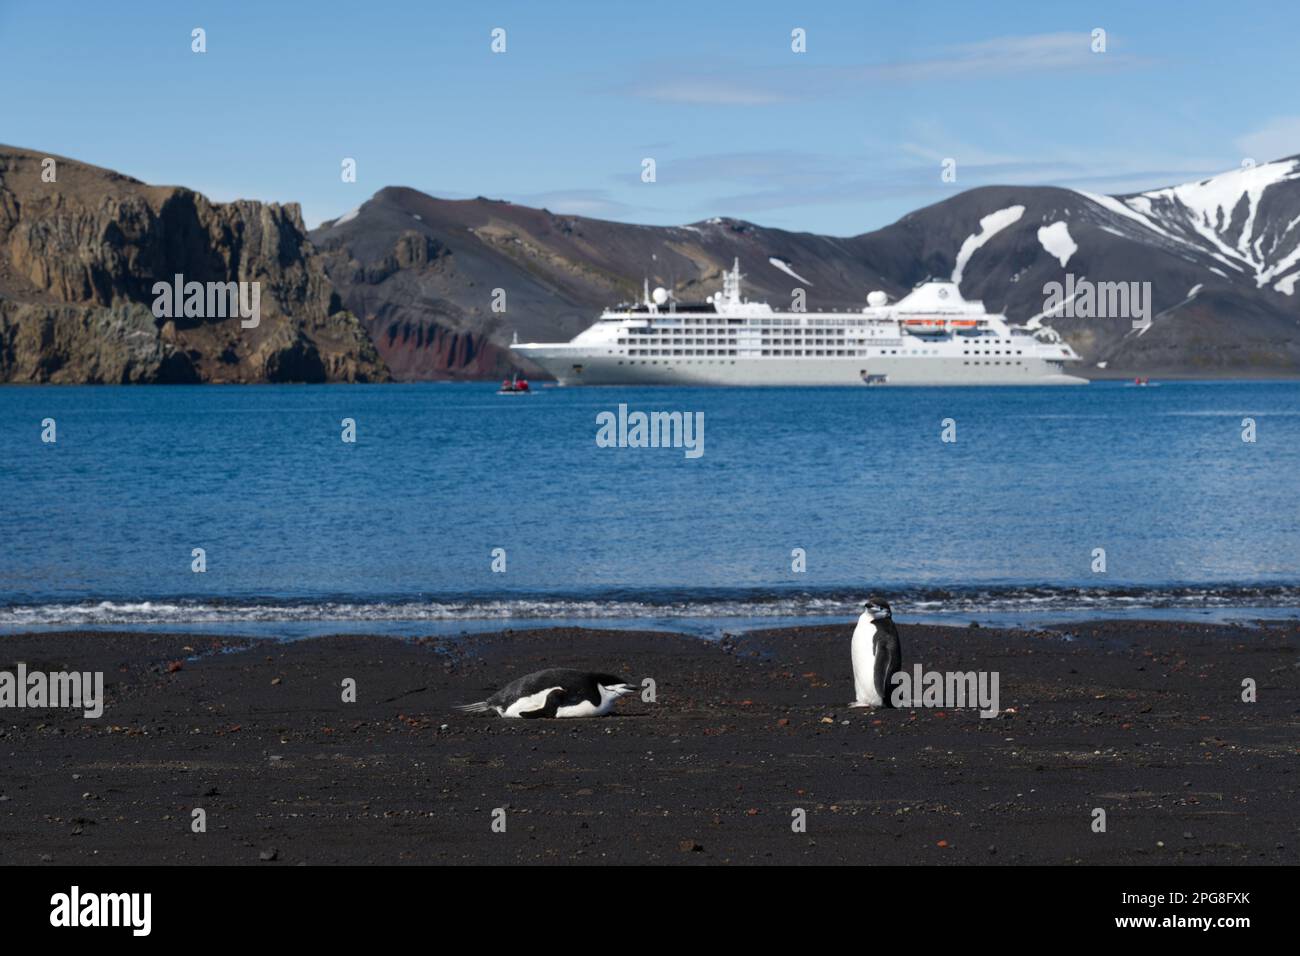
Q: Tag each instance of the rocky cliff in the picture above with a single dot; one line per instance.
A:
(82, 249)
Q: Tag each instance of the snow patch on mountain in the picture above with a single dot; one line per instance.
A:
(1279, 267)
(1036, 322)
(785, 267)
(1207, 210)
(1056, 240)
(1111, 204)
(990, 226)
(347, 216)
(1286, 285)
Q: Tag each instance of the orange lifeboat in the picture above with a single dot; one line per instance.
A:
(924, 326)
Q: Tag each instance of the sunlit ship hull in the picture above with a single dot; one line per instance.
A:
(930, 337)
(581, 367)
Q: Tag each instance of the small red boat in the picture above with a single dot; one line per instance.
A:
(514, 386)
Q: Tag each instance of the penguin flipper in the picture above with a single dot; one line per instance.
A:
(887, 665)
(550, 704)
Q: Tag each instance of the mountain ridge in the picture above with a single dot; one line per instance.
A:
(429, 288)
(1221, 255)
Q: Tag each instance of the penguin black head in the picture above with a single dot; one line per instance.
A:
(878, 608)
(615, 685)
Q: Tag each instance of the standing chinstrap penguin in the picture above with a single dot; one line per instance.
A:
(556, 692)
(877, 655)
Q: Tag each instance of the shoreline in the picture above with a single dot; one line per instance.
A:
(1140, 718)
(709, 627)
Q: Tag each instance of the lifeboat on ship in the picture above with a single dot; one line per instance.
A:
(925, 326)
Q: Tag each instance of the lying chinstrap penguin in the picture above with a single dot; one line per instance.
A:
(556, 692)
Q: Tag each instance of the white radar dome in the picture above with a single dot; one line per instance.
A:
(877, 299)
(660, 295)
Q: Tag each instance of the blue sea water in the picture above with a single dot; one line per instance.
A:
(304, 531)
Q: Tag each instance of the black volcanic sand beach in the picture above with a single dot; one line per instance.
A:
(1144, 720)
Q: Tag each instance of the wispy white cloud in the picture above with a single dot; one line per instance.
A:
(1036, 53)
(579, 202)
(770, 166)
(705, 90)
(1278, 138)
(1115, 169)
(752, 185)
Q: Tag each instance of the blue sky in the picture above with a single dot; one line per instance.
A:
(841, 139)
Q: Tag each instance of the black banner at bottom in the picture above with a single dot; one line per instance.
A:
(333, 905)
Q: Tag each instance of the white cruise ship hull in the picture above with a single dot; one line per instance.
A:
(930, 337)
(570, 366)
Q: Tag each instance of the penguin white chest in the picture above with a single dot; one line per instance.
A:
(585, 708)
(864, 663)
(527, 704)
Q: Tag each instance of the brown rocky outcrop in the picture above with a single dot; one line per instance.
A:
(79, 259)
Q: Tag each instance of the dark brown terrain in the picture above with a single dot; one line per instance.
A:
(79, 257)
(1144, 720)
(406, 284)
(420, 272)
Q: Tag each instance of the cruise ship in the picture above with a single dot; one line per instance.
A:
(932, 336)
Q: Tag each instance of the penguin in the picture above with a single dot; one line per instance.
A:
(877, 655)
(556, 692)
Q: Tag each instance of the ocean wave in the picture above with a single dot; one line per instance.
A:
(659, 604)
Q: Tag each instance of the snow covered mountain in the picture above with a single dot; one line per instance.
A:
(1239, 218)
(1219, 259)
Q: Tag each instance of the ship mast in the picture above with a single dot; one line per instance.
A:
(731, 285)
